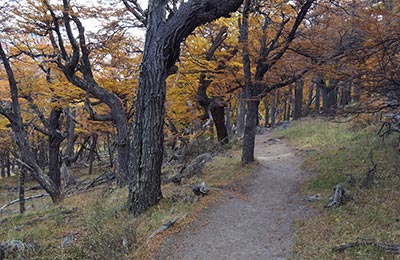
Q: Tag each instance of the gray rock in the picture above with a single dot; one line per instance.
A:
(14, 248)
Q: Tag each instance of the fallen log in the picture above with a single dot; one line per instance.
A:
(18, 200)
(390, 248)
(195, 167)
(104, 178)
(337, 198)
(164, 227)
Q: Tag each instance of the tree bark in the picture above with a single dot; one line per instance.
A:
(2, 164)
(266, 107)
(217, 109)
(318, 96)
(309, 99)
(93, 147)
(21, 191)
(250, 132)
(228, 123)
(8, 164)
(161, 50)
(274, 103)
(55, 140)
(241, 115)
(70, 127)
(298, 100)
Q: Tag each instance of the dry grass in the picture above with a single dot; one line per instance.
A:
(333, 150)
(103, 229)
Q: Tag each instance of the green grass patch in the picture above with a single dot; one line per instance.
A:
(332, 151)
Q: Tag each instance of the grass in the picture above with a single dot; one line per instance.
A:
(331, 151)
(101, 228)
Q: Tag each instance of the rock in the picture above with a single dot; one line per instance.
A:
(314, 198)
(68, 240)
(14, 248)
(201, 189)
(286, 124)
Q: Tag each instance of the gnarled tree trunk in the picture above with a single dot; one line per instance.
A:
(162, 48)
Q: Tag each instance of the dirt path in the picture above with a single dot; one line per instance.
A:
(259, 227)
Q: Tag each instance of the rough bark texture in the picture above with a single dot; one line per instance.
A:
(162, 48)
(241, 115)
(250, 132)
(298, 100)
(318, 96)
(310, 99)
(228, 123)
(274, 102)
(55, 140)
(21, 191)
(266, 116)
(70, 127)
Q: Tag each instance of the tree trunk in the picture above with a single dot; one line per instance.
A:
(147, 142)
(328, 95)
(356, 90)
(228, 123)
(161, 50)
(217, 109)
(250, 132)
(251, 106)
(266, 107)
(110, 150)
(309, 99)
(2, 164)
(93, 146)
(274, 103)
(8, 164)
(42, 153)
(241, 115)
(346, 94)
(318, 96)
(55, 139)
(214, 106)
(14, 116)
(298, 100)
(21, 191)
(70, 127)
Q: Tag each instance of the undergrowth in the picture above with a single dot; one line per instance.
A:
(98, 226)
(333, 151)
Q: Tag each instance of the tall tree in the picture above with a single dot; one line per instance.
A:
(162, 48)
(270, 52)
(12, 111)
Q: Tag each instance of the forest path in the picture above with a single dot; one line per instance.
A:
(257, 227)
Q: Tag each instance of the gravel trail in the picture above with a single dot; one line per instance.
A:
(258, 227)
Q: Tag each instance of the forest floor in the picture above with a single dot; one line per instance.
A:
(258, 225)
